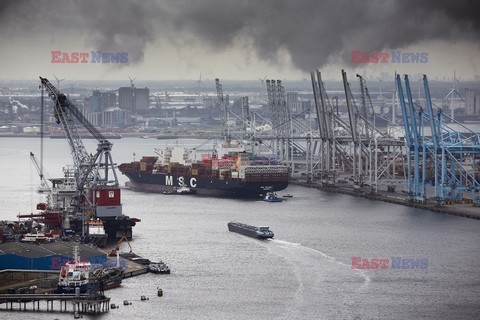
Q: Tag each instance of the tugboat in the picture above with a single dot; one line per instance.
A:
(272, 197)
(181, 190)
(79, 273)
(251, 231)
(74, 274)
(185, 190)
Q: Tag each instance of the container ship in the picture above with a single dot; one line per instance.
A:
(236, 173)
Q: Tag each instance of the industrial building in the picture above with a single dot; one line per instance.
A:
(48, 256)
(133, 99)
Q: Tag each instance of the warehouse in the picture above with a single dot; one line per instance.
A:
(48, 256)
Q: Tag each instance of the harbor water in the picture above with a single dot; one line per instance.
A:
(305, 272)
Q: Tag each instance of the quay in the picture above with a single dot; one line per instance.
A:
(134, 269)
(465, 209)
(80, 303)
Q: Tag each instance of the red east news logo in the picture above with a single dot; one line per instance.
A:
(382, 57)
(97, 57)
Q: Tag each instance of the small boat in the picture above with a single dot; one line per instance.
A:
(181, 190)
(288, 195)
(251, 231)
(271, 197)
(185, 190)
(35, 238)
(158, 267)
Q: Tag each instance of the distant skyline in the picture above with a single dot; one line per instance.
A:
(237, 40)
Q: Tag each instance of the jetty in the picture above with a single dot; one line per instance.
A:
(91, 304)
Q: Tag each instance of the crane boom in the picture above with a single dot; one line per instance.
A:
(91, 171)
(44, 186)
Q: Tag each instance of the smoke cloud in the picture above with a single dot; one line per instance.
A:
(311, 32)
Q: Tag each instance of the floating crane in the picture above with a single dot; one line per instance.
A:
(98, 190)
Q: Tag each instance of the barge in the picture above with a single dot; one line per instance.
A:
(251, 231)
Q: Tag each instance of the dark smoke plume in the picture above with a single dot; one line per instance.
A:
(312, 32)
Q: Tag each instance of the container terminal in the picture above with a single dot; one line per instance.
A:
(424, 158)
(372, 139)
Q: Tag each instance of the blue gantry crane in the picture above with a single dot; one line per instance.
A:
(445, 154)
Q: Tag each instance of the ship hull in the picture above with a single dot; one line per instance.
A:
(112, 283)
(97, 240)
(115, 227)
(164, 183)
(104, 285)
(70, 289)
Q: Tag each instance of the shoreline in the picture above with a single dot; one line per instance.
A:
(466, 210)
(122, 135)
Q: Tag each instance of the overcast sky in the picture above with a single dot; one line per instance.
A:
(237, 39)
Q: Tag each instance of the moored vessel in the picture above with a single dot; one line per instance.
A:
(79, 273)
(96, 233)
(237, 173)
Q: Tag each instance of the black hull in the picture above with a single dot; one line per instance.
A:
(71, 289)
(112, 283)
(103, 285)
(203, 186)
(97, 240)
(249, 231)
(115, 228)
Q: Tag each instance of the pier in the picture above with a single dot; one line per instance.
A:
(46, 302)
(134, 269)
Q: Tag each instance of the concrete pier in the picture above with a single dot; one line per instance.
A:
(134, 269)
(46, 302)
